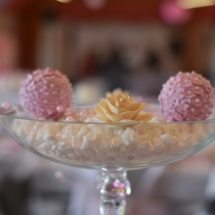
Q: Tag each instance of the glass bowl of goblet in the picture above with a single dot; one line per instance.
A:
(113, 148)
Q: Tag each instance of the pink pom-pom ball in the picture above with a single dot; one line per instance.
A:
(187, 97)
(46, 93)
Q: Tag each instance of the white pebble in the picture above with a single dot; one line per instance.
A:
(76, 143)
(86, 143)
(158, 144)
(130, 136)
(54, 147)
(189, 140)
(44, 146)
(116, 142)
(61, 145)
(83, 131)
(65, 136)
(166, 139)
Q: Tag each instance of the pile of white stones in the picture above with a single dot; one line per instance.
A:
(96, 143)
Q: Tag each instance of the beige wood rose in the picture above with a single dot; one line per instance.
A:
(120, 107)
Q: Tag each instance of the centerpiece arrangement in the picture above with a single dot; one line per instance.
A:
(117, 134)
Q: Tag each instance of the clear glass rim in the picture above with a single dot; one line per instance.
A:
(105, 123)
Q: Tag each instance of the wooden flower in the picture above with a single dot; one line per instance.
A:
(120, 107)
(116, 92)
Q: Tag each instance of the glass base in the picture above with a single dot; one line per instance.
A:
(114, 187)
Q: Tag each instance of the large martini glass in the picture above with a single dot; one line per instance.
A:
(112, 148)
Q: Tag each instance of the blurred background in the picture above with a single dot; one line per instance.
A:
(104, 44)
(101, 45)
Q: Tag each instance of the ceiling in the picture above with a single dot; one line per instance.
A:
(132, 10)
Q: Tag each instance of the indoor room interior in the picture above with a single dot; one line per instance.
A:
(102, 45)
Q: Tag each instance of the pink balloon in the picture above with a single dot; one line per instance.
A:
(173, 14)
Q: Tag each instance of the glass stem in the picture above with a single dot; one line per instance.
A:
(114, 187)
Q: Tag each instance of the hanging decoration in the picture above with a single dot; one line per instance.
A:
(95, 4)
(173, 14)
(64, 1)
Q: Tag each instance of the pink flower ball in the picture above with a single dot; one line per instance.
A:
(187, 97)
(46, 93)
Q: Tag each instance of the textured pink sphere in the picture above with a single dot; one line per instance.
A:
(46, 93)
(187, 97)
